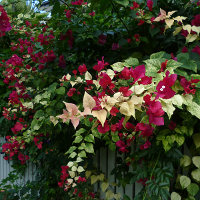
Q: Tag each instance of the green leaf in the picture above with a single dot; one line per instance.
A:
(125, 197)
(109, 195)
(182, 72)
(196, 139)
(28, 105)
(96, 133)
(70, 164)
(112, 146)
(193, 189)
(1, 83)
(104, 186)
(196, 161)
(173, 64)
(177, 100)
(74, 168)
(80, 169)
(131, 62)
(181, 130)
(104, 5)
(152, 66)
(88, 174)
(166, 145)
(164, 192)
(115, 138)
(190, 198)
(170, 139)
(179, 139)
(183, 56)
(101, 177)
(122, 2)
(56, 8)
(82, 146)
(71, 149)
(72, 174)
(119, 66)
(195, 76)
(187, 63)
(39, 113)
(80, 131)
(117, 196)
(197, 95)
(125, 121)
(89, 148)
(61, 91)
(154, 31)
(157, 55)
(89, 138)
(185, 161)
(87, 122)
(144, 39)
(78, 139)
(35, 125)
(175, 196)
(52, 87)
(184, 181)
(164, 184)
(168, 107)
(94, 179)
(72, 155)
(196, 175)
(82, 154)
(194, 109)
(79, 159)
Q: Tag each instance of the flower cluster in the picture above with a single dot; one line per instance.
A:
(12, 147)
(64, 176)
(4, 22)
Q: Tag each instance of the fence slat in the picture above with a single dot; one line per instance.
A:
(104, 161)
(5, 169)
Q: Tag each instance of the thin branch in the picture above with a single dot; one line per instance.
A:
(145, 194)
(113, 5)
(65, 3)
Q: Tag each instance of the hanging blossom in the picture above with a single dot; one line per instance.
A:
(150, 4)
(135, 6)
(164, 87)
(188, 86)
(155, 112)
(196, 20)
(72, 113)
(78, 3)
(196, 50)
(4, 22)
(102, 39)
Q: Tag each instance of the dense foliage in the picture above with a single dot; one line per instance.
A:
(117, 74)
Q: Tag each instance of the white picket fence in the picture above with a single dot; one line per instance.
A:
(5, 169)
(105, 162)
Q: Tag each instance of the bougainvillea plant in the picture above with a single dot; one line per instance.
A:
(145, 108)
(125, 105)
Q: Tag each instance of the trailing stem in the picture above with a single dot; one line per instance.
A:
(113, 5)
(145, 194)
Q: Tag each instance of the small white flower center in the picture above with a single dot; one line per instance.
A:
(162, 88)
